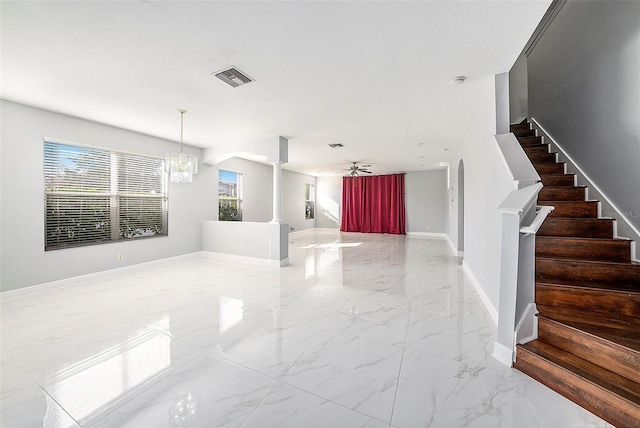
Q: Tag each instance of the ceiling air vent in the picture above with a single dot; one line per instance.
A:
(233, 77)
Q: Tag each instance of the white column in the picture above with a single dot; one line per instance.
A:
(277, 192)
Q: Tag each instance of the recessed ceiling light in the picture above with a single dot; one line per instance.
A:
(335, 145)
(419, 144)
(445, 149)
(458, 80)
(420, 157)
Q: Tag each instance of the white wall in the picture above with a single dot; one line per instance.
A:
(487, 184)
(24, 261)
(426, 201)
(293, 200)
(257, 182)
(257, 196)
(328, 202)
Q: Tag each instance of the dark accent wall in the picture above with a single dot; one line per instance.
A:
(584, 89)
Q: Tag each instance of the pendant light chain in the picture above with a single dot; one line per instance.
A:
(181, 166)
(182, 112)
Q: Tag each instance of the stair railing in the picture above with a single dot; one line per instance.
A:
(521, 219)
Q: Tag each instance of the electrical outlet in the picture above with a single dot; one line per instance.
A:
(120, 257)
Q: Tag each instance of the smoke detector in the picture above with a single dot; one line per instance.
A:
(233, 77)
(458, 80)
(335, 145)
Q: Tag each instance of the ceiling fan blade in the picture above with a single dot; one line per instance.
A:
(368, 172)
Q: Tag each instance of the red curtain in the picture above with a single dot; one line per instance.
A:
(373, 204)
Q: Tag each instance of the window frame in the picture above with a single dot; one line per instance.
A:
(237, 198)
(114, 193)
(310, 202)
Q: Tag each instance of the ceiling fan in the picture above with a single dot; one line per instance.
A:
(355, 169)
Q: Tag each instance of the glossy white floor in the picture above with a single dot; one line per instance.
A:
(359, 331)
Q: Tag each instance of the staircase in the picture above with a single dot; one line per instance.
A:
(587, 293)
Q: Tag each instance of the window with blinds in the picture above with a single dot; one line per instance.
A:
(94, 196)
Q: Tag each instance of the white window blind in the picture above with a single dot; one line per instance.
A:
(95, 196)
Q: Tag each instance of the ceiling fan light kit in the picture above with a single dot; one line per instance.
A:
(354, 169)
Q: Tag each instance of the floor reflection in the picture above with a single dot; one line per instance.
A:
(94, 386)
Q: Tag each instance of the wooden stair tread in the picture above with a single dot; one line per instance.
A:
(584, 248)
(531, 143)
(588, 239)
(632, 264)
(573, 209)
(519, 126)
(594, 286)
(612, 305)
(579, 316)
(566, 226)
(568, 180)
(556, 175)
(563, 193)
(542, 158)
(624, 338)
(591, 344)
(550, 168)
(559, 270)
(524, 132)
(589, 201)
(537, 149)
(593, 374)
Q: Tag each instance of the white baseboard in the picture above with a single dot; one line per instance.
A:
(493, 312)
(245, 259)
(503, 354)
(311, 231)
(62, 283)
(303, 232)
(454, 248)
(427, 235)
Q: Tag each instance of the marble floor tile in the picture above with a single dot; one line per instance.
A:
(557, 410)
(443, 392)
(360, 330)
(287, 406)
(207, 392)
(358, 373)
(387, 324)
(25, 404)
(31, 407)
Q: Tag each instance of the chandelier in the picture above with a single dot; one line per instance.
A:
(181, 166)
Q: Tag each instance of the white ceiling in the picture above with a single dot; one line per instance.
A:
(374, 76)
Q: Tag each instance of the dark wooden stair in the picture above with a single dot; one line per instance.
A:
(587, 294)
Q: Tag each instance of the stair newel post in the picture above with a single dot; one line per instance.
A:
(505, 343)
(516, 312)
